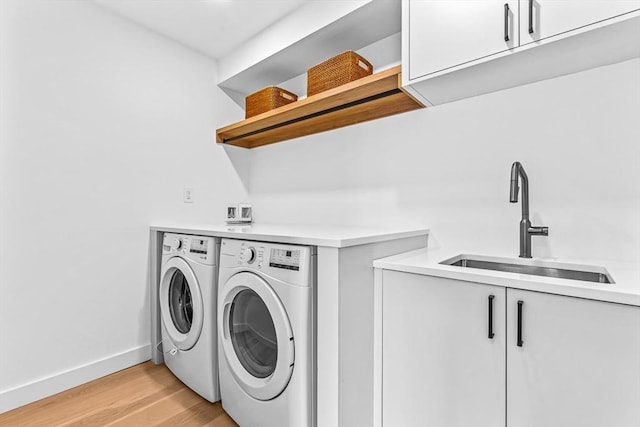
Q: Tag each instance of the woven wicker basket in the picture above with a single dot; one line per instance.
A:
(343, 68)
(267, 99)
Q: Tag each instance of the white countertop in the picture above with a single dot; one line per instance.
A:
(625, 290)
(315, 235)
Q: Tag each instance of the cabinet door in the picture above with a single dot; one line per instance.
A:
(579, 363)
(551, 17)
(446, 33)
(440, 368)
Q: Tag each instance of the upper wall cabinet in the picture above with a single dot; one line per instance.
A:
(540, 19)
(453, 49)
(446, 33)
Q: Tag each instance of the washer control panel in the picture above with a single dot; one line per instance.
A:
(198, 248)
(248, 255)
(251, 253)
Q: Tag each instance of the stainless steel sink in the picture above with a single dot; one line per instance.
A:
(588, 274)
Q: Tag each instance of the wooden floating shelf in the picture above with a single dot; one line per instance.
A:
(372, 97)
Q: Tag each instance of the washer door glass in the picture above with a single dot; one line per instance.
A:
(180, 302)
(252, 334)
(181, 307)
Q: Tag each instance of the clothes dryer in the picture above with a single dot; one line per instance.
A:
(266, 333)
(188, 300)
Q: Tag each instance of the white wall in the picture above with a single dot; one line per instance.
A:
(448, 167)
(102, 124)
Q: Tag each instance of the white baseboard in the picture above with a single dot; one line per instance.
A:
(36, 390)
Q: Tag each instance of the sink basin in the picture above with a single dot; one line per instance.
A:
(535, 268)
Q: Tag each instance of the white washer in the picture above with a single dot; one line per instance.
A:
(265, 331)
(188, 301)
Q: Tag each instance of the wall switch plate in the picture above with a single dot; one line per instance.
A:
(245, 212)
(187, 195)
(232, 213)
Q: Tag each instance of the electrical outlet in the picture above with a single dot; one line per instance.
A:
(187, 195)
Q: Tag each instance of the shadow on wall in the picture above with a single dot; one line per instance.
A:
(436, 147)
(240, 159)
(458, 144)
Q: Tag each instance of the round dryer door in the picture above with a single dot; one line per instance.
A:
(181, 303)
(257, 339)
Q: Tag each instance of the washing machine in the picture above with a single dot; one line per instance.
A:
(266, 333)
(188, 295)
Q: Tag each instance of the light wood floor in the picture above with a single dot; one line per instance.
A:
(143, 395)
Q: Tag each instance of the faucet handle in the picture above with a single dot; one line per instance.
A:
(538, 231)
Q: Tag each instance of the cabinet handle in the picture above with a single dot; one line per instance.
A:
(491, 334)
(506, 25)
(520, 342)
(530, 16)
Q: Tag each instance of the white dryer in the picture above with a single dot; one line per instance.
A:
(266, 333)
(188, 300)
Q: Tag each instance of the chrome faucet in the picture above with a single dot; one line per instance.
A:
(526, 230)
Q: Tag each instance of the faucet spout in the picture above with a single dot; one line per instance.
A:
(526, 230)
(517, 171)
(513, 189)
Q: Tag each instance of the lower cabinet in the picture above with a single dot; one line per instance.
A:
(457, 353)
(578, 363)
(440, 368)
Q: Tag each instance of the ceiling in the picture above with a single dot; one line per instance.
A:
(213, 27)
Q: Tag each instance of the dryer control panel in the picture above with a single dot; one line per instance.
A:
(286, 258)
(290, 263)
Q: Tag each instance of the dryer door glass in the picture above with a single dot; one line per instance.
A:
(252, 334)
(180, 303)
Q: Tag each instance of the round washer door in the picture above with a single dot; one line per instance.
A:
(181, 303)
(257, 338)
